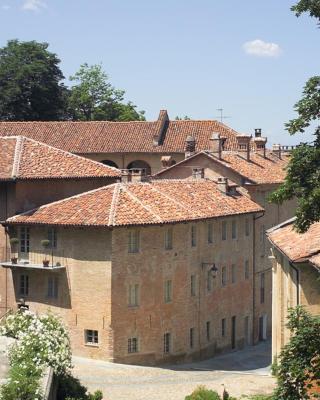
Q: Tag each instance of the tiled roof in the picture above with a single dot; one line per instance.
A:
(258, 170)
(22, 158)
(115, 137)
(298, 247)
(157, 202)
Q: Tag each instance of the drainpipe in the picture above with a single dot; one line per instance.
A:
(298, 282)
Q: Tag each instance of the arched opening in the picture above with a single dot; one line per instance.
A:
(110, 163)
(139, 164)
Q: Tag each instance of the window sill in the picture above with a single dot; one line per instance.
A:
(92, 344)
(133, 306)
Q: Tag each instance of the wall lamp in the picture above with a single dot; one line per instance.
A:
(212, 268)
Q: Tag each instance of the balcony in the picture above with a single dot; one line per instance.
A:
(34, 260)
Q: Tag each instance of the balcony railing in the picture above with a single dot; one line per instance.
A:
(52, 259)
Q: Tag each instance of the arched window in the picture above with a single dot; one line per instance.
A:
(139, 164)
(110, 163)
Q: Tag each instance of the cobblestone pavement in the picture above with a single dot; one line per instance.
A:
(242, 372)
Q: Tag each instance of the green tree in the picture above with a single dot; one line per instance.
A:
(94, 98)
(303, 175)
(30, 83)
(299, 362)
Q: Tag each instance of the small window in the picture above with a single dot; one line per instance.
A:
(210, 232)
(262, 288)
(133, 345)
(233, 273)
(223, 327)
(209, 281)
(224, 230)
(53, 284)
(91, 336)
(191, 338)
(166, 342)
(234, 229)
(224, 276)
(24, 239)
(247, 227)
(246, 270)
(208, 330)
(168, 236)
(193, 285)
(133, 298)
(193, 236)
(52, 237)
(168, 291)
(24, 285)
(134, 241)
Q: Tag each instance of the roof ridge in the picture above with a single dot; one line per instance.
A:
(137, 200)
(114, 203)
(17, 155)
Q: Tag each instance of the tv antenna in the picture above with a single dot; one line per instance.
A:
(221, 116)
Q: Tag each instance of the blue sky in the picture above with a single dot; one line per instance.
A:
(190, 57)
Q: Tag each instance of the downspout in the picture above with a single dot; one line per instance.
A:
(298, 282)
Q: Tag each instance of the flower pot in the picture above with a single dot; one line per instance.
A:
(14, 260)
(45, 263)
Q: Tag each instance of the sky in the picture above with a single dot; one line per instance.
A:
(190, 57)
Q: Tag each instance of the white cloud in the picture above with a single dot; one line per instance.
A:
(262, 49)
(33, 5)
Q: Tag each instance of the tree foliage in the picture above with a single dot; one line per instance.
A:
(30, 83)
(299, 362)
(94, 98)
(303, 175)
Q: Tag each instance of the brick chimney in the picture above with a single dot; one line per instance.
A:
(167, 161)
(260, 142)
(244, 144)
(190, 146)
(216, 143)
(161, 128)
(197, 173)
(223, 184)
(137, 175)
(276, 150)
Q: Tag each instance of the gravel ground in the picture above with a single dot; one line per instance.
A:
(242, 372)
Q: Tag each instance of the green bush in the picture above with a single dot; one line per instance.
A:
(70, 388)
(202, 393)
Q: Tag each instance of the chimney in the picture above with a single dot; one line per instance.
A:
(167, 161)
(276, 150)
(260, 143)
(137, 174)
(161, 127)
(244, 144)
(223, 184)
(257, 132)
(197, 173)
(155, 140)
(190, 148)
(216, 144)
(125, 176)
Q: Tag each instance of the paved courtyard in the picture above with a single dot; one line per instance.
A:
(242, 372)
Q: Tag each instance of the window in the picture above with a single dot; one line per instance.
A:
(224, 276)
(223, 327)
(193, 236)
(52, 237)
(234, 229)
(209, 281)
(166, 342)
(91, 336)
(191, 338)
(168, 235)
(210, 232)
(262, 288)
(53, 284)
(134, 241)
(24, 285)
(133, 345)
(168, 291)
(224, 230)
(247, 227)
(233, 273)
(208, 330)
(24, 239)
(246, 269)
(133, 299)
(193, 285)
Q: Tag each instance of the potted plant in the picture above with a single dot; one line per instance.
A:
(14, 242)
(45, 244)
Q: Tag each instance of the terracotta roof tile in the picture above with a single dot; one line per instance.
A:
(297, 246)
(23, 158)
(141, 203)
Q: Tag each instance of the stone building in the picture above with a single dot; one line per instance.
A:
(126, 145)
(142, 272)
(257, 172)
(32, 174)
(296, 267)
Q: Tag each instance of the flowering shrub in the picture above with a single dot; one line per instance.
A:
(42, 339)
